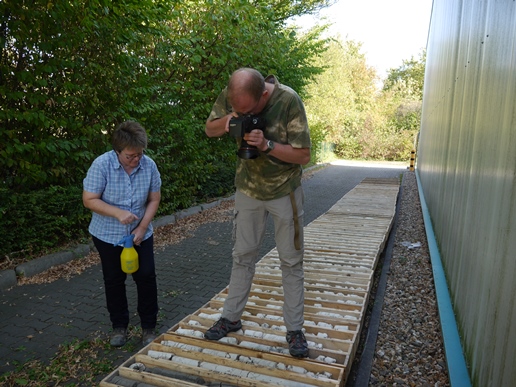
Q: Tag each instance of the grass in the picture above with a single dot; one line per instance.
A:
(76, 364)
(79, 363)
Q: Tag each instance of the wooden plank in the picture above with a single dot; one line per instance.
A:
(347, 315)
(332, 301)
(153, 379)
(221, 357)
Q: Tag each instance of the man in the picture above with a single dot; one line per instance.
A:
(267, 184)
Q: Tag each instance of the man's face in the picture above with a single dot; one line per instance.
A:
(245, 104)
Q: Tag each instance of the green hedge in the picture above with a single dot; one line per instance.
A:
(42, 221)
(37, 222)
(64, 86)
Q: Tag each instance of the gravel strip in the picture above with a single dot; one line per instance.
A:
(409, 348)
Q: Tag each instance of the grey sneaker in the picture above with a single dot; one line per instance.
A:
(148, 336)
(221, 328)
(118, 337)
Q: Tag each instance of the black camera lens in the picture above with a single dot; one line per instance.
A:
(247, 151)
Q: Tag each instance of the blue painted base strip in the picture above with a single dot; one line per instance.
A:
(457, 369)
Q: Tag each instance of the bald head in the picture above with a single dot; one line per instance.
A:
(246, 81)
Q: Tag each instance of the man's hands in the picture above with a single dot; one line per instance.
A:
(220, 126)
(255, 138)
(283, 152)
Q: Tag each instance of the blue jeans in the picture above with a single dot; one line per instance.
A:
(114, 283)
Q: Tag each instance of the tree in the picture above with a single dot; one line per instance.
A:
(346, 108)
(405, 86)
(341, 97)
(407, 80)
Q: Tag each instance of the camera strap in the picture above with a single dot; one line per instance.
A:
(297, 244)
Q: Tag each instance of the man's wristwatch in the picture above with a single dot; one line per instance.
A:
(270, 146)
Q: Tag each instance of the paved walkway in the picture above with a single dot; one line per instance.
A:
(36, 319)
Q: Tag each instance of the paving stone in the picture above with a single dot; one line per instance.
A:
(196, 269)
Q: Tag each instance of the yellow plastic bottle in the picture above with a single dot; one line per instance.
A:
(129, 255)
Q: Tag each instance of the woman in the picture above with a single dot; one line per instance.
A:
(122, 189)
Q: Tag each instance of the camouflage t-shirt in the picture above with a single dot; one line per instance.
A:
(265, 177)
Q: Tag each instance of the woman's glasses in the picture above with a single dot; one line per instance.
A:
(133, 156)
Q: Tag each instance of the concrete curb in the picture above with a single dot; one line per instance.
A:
(36, 266)
(9, 278)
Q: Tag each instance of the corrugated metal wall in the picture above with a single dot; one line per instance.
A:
(466, 162)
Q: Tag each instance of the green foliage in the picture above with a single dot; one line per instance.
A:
(317, 136)
(68, 76)
(286, 9)
(407, 80)
(71, 70)
(40, 220)
(404, 88)
(342, 96)
(362, 121)
(96, 360)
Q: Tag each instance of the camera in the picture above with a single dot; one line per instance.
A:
(239, 126)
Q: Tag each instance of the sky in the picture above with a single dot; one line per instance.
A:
(390, 30)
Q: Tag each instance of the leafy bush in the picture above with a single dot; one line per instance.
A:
(78, 69)
(39, 221)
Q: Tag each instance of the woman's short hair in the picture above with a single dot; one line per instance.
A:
(129, 134)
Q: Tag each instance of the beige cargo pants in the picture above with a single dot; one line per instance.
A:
(248, 232)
